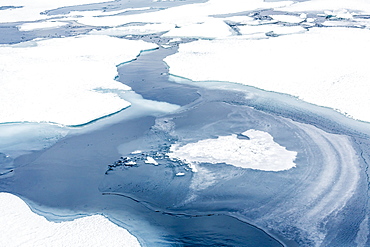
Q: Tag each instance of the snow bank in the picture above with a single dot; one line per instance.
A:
(324, 66)
(61, 80)
(19, 226)
(257, 150)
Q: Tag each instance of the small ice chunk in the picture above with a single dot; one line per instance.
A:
(179, 174)
(303, 16)
(310, 19)
(137, 152)
(130, 163)
(150, 160)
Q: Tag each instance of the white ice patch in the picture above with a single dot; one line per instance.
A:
(58, 80)
(260, 152)
(324, 66)
(150, 160)
(19, 226)
(41, 25)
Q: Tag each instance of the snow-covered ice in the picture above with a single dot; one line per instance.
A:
(323, 66)
(32, 10)
(41, 25)
(258, 152)
(134, 30)
(200, 12)
(213, 28)
(19, 226)
(58, 80)
(288, 18)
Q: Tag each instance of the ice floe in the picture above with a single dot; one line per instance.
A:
(41, 25)
(323, 66)
(359, 6)
(151, 160)
(61, 80)
(134, 30)
(288, 18)
(200, 12)
(257, 151)
(33, 10)
(265, 29)
(213, 28)
(19, 226)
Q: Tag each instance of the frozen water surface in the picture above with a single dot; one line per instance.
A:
(117, 162)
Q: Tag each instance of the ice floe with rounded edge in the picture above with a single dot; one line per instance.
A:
(58, 80)
(32, 10)
(257, 151)
(323, 66)
(29, 229)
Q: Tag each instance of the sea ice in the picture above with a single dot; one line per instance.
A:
(150, 160)
(19, 226)
(259, 152)
(276, 29)
(61, 80)
(200, 12)
(134, 30)
(360, 6)
(213, 28)
(41, 25)
(323, 66)
(287, 18)
(32, 10)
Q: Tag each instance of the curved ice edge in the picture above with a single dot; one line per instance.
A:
(278, 238)
(68, 126)
(93, 120)
(359, 130)
(134, 59)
